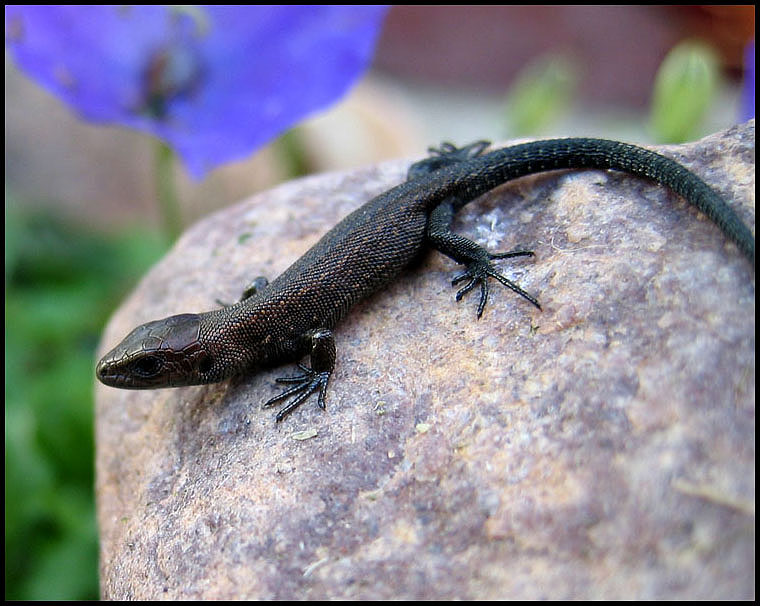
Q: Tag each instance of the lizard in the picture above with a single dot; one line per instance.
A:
(294, 315)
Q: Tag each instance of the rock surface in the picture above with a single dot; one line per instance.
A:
(601, 448)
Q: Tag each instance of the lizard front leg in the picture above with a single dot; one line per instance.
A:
(322, 357)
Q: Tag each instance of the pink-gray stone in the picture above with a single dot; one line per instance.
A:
(602, 448)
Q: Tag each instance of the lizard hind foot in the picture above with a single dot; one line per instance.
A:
(444, 156)
(479, 270)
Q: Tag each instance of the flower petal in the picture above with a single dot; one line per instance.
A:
(214, 82)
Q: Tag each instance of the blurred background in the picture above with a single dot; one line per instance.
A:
(83, 224)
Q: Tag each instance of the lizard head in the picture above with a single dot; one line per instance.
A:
(162, 353)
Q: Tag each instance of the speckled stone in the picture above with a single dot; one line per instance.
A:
(602, 448)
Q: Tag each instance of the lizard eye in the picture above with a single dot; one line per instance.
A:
(205, 363)
(147, 366)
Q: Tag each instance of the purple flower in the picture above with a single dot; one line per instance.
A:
(213, 82)
(748, 88)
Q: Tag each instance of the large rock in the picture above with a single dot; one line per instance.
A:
(601, 448)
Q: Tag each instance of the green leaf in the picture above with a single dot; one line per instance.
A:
(541, 93)
(684, 89)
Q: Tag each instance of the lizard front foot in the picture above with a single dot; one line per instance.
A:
(321, 344)
(304, 385)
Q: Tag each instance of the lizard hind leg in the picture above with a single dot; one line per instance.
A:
(476, 259)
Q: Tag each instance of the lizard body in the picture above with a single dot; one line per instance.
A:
(293, 316)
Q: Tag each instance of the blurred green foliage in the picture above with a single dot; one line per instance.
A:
(684, 89)
(543, 91)
(62, 282)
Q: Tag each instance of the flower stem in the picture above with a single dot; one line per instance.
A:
(166, 191)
